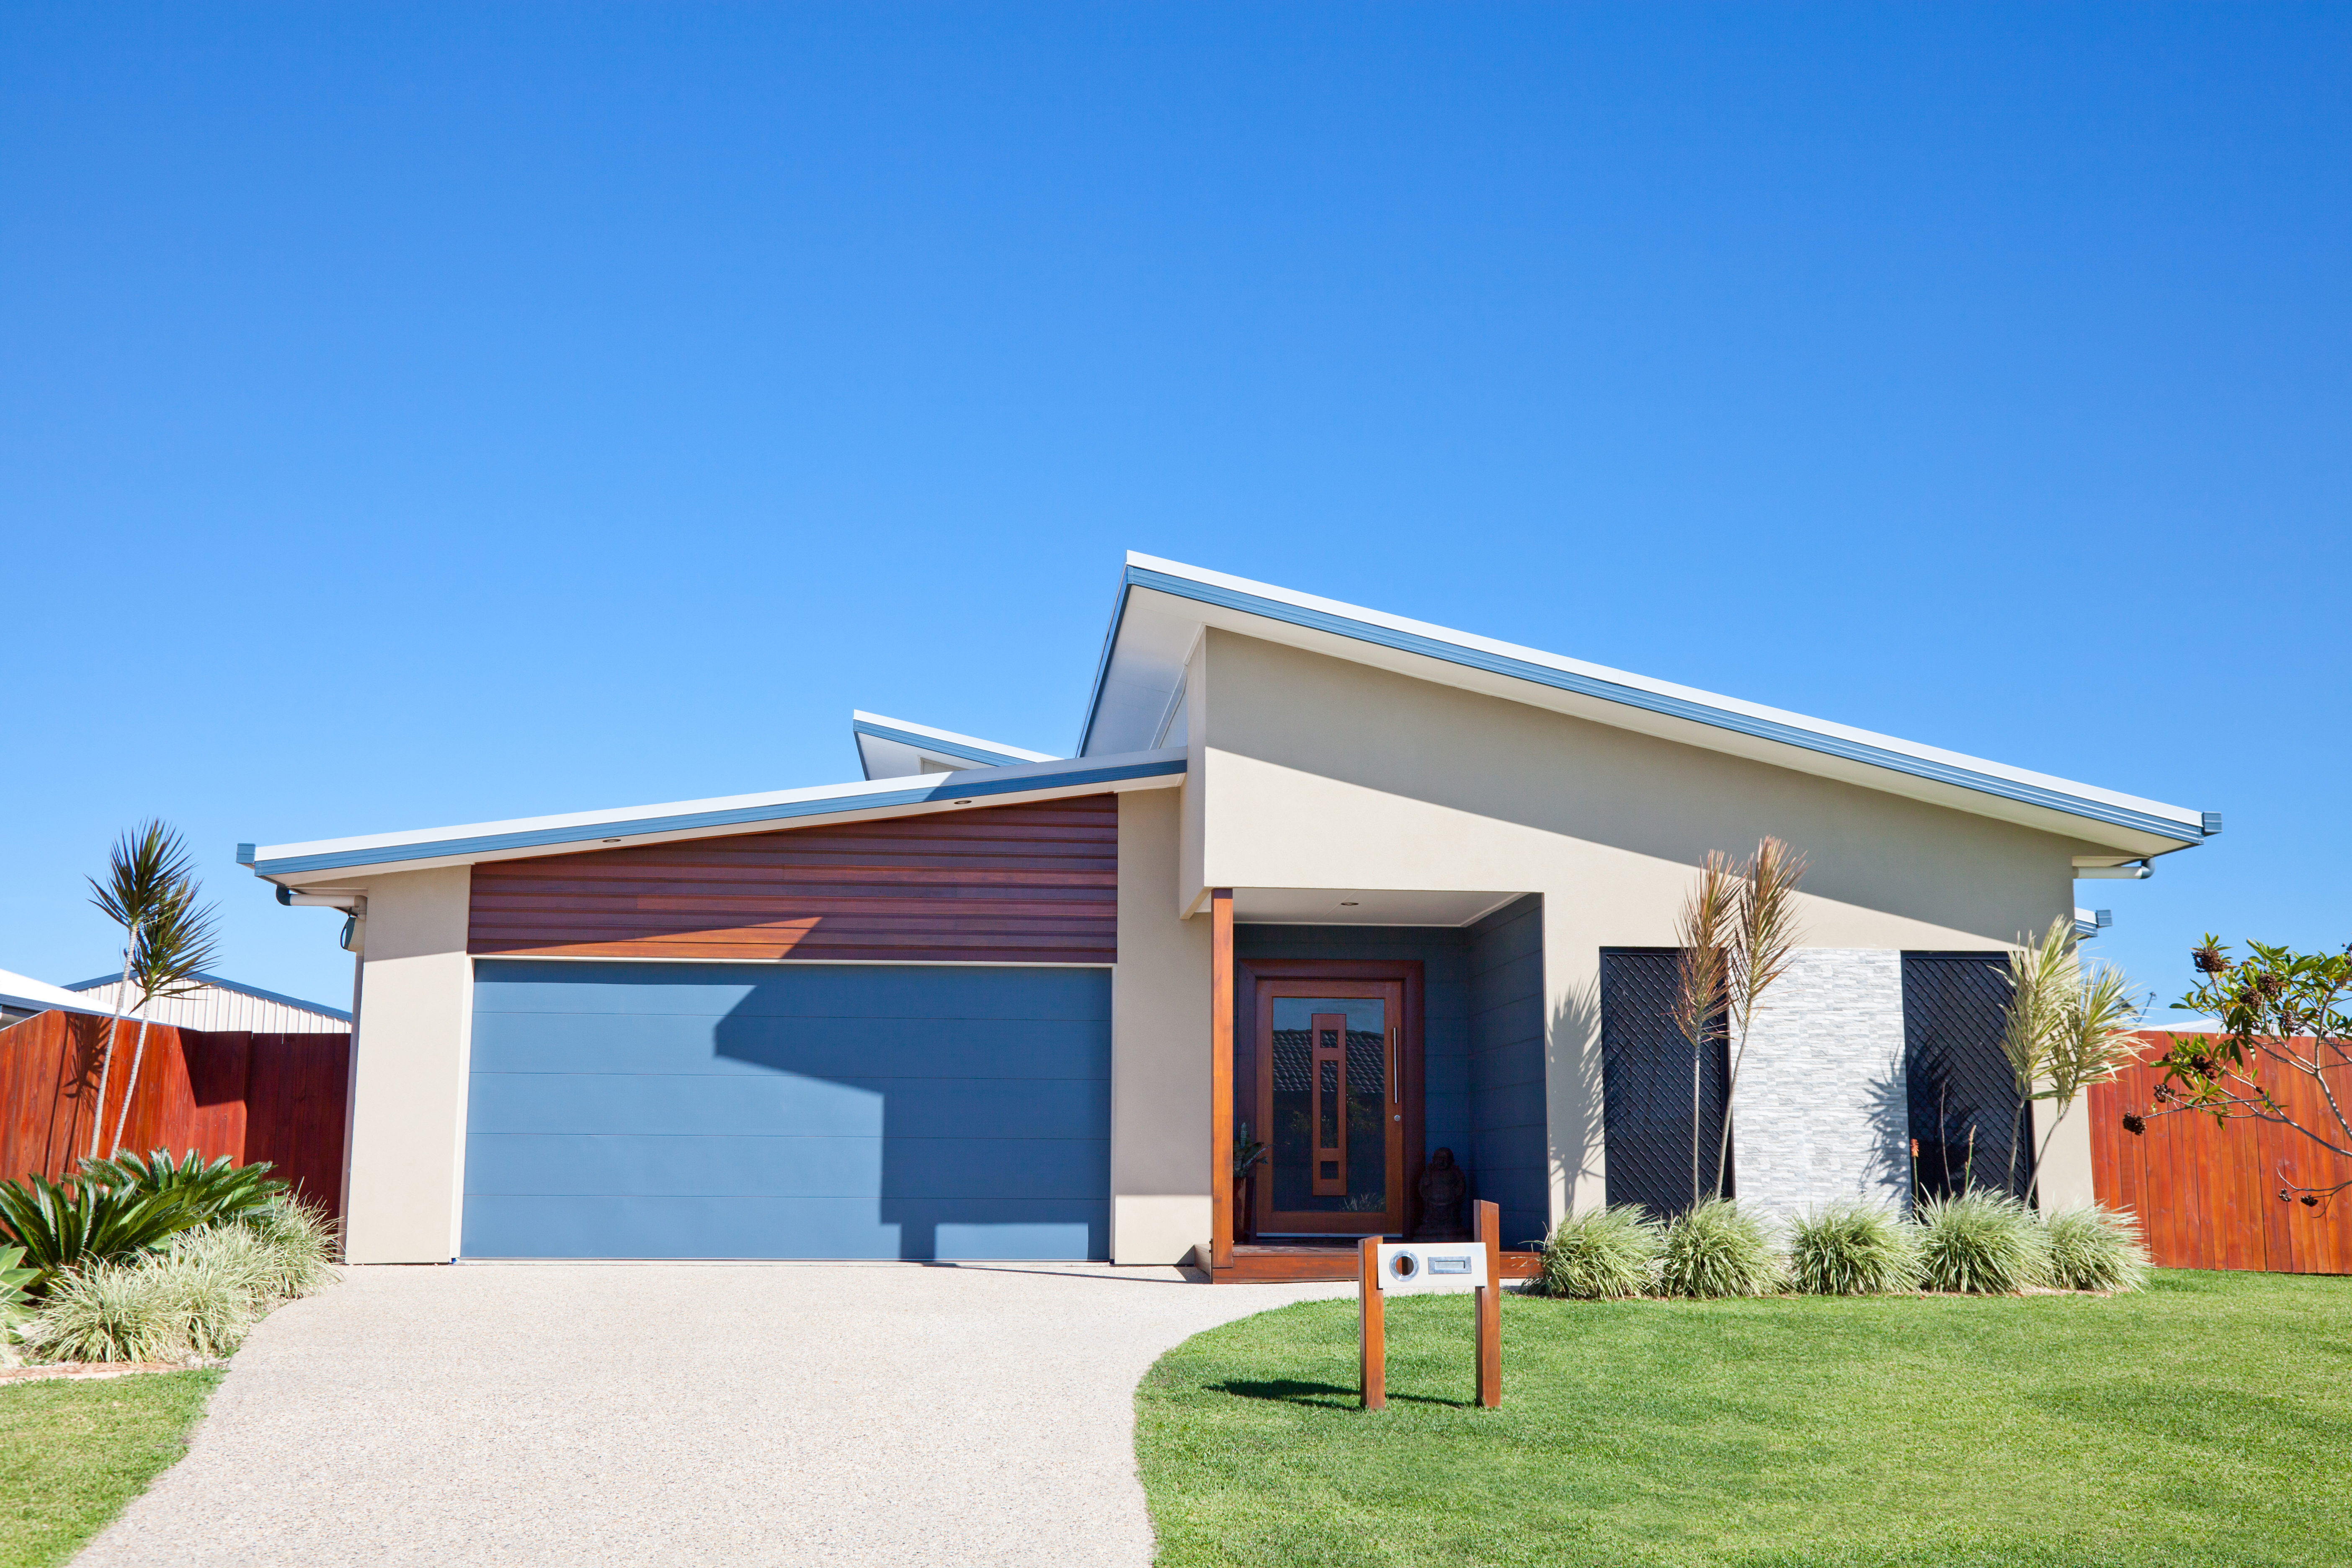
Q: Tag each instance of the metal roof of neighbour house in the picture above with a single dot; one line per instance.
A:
(900, 748)
(220, 1004)
(1163, 607)
(313, 863)
(22, 992)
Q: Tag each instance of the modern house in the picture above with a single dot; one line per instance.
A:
(1351, 886)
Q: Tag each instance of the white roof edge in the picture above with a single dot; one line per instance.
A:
(931, 731)
(718, 811)
(2189, 818)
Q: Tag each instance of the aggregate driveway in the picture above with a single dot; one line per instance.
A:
(591, 1413)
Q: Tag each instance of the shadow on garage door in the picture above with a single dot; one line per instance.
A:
(621, 1110)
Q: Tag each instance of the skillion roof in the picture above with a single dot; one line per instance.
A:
(1134, 733)
(1163, 607)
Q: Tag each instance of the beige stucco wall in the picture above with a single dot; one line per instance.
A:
(408, 1077)
(1312, 771)
(1159, 1051)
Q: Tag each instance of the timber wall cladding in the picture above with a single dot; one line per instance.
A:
(1007, 884)
(2208, 1193)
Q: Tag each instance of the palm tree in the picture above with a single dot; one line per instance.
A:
(1702, 984)
(2067, 1026)
(151, 892)
(1764, 936)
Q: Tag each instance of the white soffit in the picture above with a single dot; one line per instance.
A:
(1363, 906)
(1164, 604)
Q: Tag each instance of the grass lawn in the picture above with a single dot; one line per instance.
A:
(71, 1455)
(2207, 1420)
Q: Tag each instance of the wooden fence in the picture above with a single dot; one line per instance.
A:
(278, 1098)
(2208, 1193)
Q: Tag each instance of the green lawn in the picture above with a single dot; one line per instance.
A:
(71, 1455)
(2208, 1420)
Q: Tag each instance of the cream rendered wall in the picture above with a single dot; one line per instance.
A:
(1312, 771)
(1160, 1050)
(408, 1071)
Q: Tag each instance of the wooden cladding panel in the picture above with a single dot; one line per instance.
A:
(1007, 884)
(2207, 1193)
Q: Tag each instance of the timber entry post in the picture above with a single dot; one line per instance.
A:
(1221, 1080)
(1488, 1232)
(1372, 1344)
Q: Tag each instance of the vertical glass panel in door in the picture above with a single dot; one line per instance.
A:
(1327, 1149)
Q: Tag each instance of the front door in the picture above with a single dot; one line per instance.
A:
(1331, 1105)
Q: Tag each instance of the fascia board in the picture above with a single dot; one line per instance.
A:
(425, 849)
(1681, 713)
(944, 742)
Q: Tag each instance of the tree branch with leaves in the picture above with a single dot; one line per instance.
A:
(2283, 1012)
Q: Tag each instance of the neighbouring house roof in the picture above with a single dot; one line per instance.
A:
(899, 748)
(203, 1010)
(312, 863)
(23, 993)
(1163, 607)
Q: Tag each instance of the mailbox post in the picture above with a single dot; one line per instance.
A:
(1406, 1269)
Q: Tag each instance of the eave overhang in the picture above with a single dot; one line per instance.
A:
(1162, 605)
(327, 860)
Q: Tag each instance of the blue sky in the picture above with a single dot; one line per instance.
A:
(417, 416)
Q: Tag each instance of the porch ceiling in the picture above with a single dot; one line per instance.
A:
(1363, 906)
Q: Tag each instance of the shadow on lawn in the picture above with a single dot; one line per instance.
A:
(1321, 1396)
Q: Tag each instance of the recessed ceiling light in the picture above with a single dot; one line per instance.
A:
(612, 841)
(1347, 904)
(963, 802)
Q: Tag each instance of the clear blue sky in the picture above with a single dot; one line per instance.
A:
(417, 416)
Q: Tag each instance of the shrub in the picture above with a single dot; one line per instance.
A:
(1718, 1250)
(1601, 1255)
(1854, 1249)
(2095, 1248)
(1982, 1242)
(197, 1299)
(64, 1228)
(216, 1191)
(105, 1312)
(300, 1242)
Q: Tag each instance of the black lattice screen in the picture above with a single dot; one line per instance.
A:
(1959, 1082)
(1646, 1088)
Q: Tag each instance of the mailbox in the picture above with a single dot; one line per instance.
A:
(1429, 1268)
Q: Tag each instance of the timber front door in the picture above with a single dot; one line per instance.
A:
(1334, 1103)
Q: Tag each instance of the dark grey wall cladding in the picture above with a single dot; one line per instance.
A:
(1510, 1153)
(1444, 955)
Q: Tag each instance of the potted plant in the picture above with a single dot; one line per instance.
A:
(1247, 1153)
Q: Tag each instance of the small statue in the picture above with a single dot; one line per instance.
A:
(1443, 1188)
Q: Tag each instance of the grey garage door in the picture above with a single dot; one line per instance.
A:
(813, 1110)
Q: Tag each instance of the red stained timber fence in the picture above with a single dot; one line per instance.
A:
(2208, 1193)
(278, 1098)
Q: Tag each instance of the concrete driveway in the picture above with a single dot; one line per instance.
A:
(567, 1413)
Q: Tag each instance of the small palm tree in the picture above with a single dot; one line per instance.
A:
(2067, 1026)
(151, 892)
(1702, 978)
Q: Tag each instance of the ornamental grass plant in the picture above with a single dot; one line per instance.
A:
(1981, 1242)
(1718, 1250)
(2093, 1248)
(195, 1299)
(1853, 1249)
(1602, 1255)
